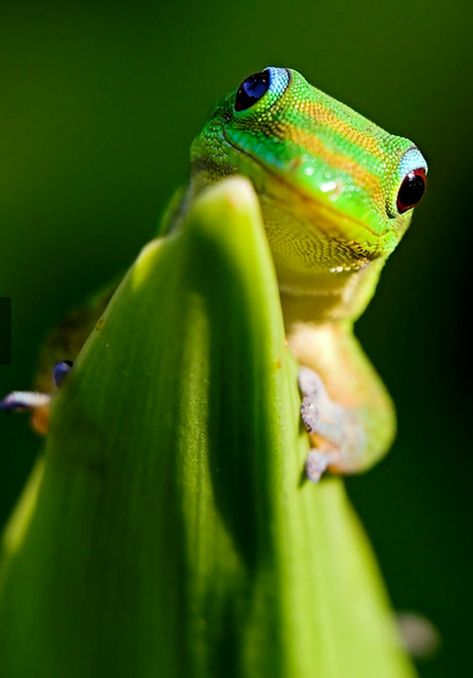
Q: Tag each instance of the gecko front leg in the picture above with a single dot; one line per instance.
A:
(36, 402)
(336, 438)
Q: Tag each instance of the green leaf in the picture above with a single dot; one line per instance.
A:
(172, 533)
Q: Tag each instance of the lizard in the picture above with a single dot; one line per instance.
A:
(336, 193)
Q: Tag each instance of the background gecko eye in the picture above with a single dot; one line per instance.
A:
(252, 89)
(411, 190)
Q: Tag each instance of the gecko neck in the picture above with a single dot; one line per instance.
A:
(308, 297)
(330, 297)
(319, 335)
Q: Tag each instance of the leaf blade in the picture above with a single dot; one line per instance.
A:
(172, 533)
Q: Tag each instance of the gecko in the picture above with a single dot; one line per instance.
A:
(337, 194)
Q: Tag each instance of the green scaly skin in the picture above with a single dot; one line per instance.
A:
(327, 181)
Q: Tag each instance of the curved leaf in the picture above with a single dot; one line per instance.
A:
(173, 533)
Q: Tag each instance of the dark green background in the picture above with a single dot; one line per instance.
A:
(98, 105)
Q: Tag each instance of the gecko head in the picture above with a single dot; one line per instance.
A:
(336, 191)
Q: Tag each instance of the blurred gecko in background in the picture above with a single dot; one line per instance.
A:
(336, 193)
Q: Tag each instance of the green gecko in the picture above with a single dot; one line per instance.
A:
(336, 193)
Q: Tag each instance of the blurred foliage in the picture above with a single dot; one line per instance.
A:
(100, 101)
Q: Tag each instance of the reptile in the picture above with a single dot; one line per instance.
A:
(337, 194)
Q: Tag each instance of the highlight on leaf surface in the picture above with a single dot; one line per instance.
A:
(171, 533)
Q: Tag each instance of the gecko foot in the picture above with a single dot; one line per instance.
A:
(24, 400)
(35, 401)
(320, 414)
(29, 401)
(316, 463)
(336, 439)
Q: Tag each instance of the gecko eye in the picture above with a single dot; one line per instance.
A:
(252, 89)
(61, 370)
(412, 189)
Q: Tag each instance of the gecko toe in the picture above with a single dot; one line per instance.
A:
(315, 465)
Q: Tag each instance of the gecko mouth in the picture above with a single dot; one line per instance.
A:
(328, 220)
(326, 216)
